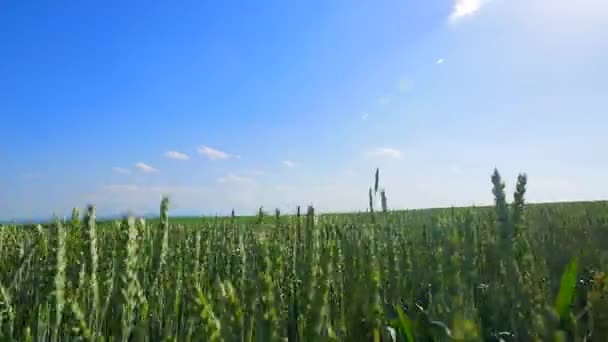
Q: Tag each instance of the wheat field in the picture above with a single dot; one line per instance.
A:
(511, 272)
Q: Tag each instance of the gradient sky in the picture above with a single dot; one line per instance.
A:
(239, 104)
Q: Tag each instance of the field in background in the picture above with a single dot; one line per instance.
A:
(511, 272)
(270, 219)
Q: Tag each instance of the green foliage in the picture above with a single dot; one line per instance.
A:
(383, 201)
(377, 180)
(260, 215)
(431, 275)
(164, 211)
(75, 217)
(371, 201)
(518, 199)
(500, 200)
(566, 291)
(405, 325)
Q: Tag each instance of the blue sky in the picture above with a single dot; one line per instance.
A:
(239, 104)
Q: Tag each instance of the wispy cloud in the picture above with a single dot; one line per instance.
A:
(440, 61)
(384, 152)
(290, 164)
(176, 155)
(364, 116)
(145, 167)
(212, 153)
(465, 8)
(121, 170)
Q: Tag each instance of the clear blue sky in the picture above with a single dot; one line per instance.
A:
(238, 104)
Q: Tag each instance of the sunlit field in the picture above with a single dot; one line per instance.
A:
(512, 272)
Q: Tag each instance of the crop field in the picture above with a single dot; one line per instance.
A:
(511, 272)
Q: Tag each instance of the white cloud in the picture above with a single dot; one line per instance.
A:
(145, 167)
(290, 164)
(364, 116)
(465, 8)
(212, 153)
(440, 61)
(176, 155)
(385, 152)
(121, 170)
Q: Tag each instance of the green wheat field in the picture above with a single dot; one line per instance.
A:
(511, 272)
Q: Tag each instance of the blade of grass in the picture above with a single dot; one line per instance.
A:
(406, 325)
(566, 289)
